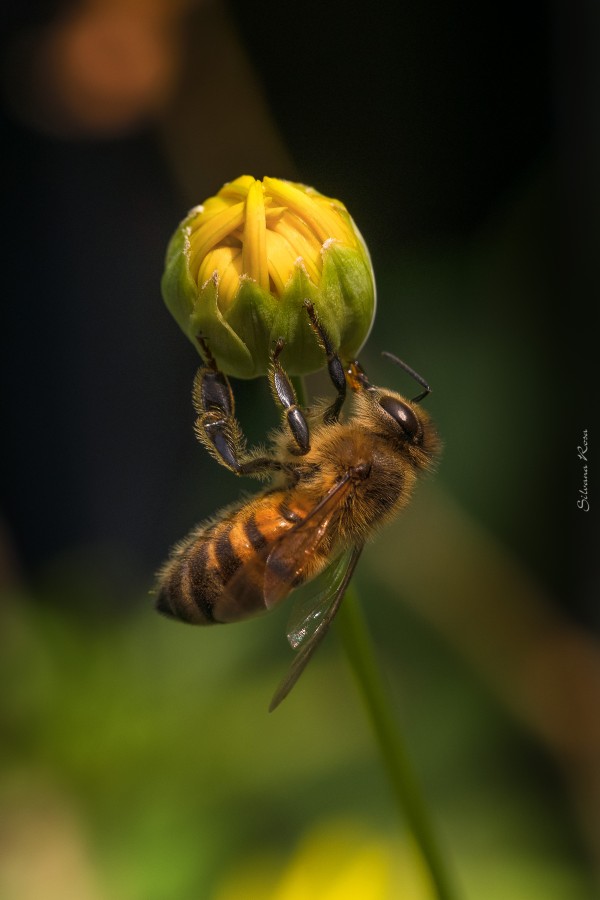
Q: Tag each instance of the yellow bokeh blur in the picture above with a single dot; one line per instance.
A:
(338, 859)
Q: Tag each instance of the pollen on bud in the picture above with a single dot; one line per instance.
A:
(240, 266)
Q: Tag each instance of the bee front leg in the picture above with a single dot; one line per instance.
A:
(334, 365)
(285, 395)
(216, 426)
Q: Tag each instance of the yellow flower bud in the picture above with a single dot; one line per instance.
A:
(240, 266)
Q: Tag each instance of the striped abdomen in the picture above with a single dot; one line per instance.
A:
(217, 573)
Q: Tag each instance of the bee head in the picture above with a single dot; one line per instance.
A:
(404, 417)
(404, 424)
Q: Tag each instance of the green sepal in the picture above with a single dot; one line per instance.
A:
(301, 353)
(178, 288)
(251, 316)
(230, 352)
(348, 293)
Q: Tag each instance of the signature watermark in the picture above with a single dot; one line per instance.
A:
(582, 454)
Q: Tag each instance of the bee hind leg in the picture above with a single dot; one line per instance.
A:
(334, 365)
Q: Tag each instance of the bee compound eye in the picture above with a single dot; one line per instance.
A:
(402, 414)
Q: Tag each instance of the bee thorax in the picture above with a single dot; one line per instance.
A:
(361, 470)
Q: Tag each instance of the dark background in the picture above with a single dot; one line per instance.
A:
(432, 122)
(463, 139)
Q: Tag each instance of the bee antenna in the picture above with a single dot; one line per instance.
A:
(418, 378)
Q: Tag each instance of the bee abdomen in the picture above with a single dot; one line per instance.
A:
(189, 586)
(193, 584)
(217, 573)
(226, 558)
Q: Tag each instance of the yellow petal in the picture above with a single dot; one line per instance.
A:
(281, 260)
(254, 247)
(238, 189)
(213, 230)
(210, 208)
(227, 263)
(229, 284)
(344, 227)
(273, 213)
(302, 243)
(321, 218)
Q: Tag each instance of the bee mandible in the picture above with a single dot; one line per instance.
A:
(332, 484)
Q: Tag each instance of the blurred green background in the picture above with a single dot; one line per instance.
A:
(138, 761)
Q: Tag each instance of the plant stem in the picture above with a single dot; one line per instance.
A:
(300, 388)
(353, 629)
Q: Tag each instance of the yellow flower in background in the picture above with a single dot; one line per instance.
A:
(336, 860)
(240, 266)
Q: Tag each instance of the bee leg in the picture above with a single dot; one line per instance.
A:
(334, 365)
(284, 394)
(357, 378)
(216, 426)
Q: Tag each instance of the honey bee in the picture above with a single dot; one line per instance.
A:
(332, 484)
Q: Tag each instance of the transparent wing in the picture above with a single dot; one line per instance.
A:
(277, 569)
(291, 554)
(309, 646)
(309, 608)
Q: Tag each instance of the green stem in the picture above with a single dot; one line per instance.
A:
(300, 388)
(353, 629)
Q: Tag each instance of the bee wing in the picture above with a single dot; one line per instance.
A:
(279, 566)
(309, 646)
(293, 551)
(307, 611)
